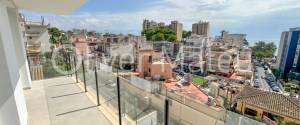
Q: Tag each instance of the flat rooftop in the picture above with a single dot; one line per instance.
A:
(189, 90)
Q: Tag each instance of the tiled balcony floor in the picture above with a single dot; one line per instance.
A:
(59, 101)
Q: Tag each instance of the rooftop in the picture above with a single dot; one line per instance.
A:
(188, 89)
(273, 102)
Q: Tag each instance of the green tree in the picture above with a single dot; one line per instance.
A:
(297, 77)
(90, 33)
(291, 75)
(57, 36)
(54, 35)
(171, 38)
(277, 72)
(262, 50)
(160, 34)
(246, 42)
(282, 122)
(186, 34)
(158, 37)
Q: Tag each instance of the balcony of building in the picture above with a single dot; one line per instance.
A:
(96, 91)
(75, 90)
(60, 101)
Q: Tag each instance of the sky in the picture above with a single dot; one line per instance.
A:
(259, 19)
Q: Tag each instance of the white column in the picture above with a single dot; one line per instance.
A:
(18, 41)
(12, 102)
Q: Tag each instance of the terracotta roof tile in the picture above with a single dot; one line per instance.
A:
(271, 101)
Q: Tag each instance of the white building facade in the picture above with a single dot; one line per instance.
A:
(14, 72)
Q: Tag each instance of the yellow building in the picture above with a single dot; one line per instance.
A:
(268, 106)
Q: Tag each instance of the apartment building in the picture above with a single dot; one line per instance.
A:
(145, 59)
(148, 24)
(288, 51)
(114, 38)
(177, 28)
(14, 73)
(164, 47)
(194, 49)
(228, 56)
(201, 28)
(36, 38)
(221, 58)
(234, 39)
(102, 43)
(103, 47)
(243, 65)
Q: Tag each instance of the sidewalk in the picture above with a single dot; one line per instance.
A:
(59, 101)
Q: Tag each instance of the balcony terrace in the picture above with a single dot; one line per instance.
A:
(88, 93)
(60, 101)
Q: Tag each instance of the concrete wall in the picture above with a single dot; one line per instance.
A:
(12, 103)
(198, 107)
(18, 41)
(189, 116)
(161, 70)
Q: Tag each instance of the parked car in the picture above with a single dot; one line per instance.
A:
(269, 79)
(265, 67)
(181, 73)
(275, 88)
(256, 84)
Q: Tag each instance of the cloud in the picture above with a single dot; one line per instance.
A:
(221, 14)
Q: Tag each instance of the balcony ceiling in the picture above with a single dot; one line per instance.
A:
(63, 7)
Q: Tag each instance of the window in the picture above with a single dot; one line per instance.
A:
(150, 58)
(28, 27)
(250, 112)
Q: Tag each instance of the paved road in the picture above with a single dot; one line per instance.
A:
(263, 83)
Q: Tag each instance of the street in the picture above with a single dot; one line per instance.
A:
(261, 75)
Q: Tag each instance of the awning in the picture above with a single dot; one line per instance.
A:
(50, 6)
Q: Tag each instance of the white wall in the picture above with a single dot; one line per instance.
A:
(12, 103)
(42, 38)
(18, 41)
(45, 45)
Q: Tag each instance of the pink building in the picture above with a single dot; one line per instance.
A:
(161, 69)
(81, 44)
(145, 59)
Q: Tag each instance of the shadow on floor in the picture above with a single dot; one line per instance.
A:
(63, 84)
(67, 95)
(77, 110)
